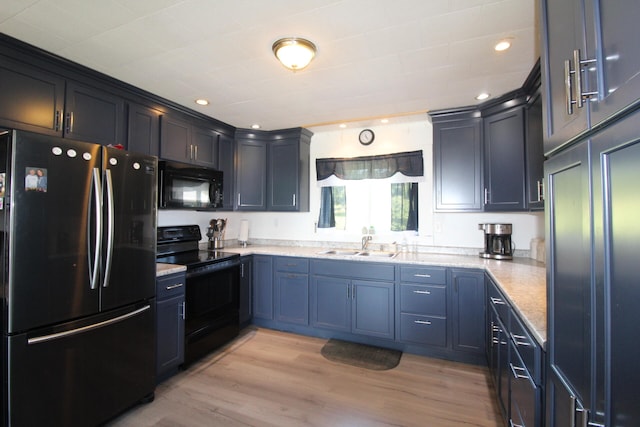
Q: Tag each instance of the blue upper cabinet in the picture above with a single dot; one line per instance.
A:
(590, 65)
(272, 170)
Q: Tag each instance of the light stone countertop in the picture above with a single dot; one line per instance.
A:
(166, 269)
(523, 280)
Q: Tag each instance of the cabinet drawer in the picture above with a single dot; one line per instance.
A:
(498, 302)
(292, 264)
(354, 269)
(170, 286)
(423, 329)
(426, 300)
(524, 393)
(526, 347)
(433, 275)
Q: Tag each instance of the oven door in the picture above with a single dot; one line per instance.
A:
(212, 309)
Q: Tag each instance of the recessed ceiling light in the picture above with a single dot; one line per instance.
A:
(255, 126)
(483, 96)
(502, 45)
(342, 126)
(202, 101)
(384, 121)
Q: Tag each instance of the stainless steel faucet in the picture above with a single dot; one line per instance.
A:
(366, 239)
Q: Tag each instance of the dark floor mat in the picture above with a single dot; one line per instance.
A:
(361, 355)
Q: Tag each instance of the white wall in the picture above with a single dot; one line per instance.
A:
(459, 230)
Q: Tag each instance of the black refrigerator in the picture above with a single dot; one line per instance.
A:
(78, 230)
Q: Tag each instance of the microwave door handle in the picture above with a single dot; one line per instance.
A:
(161, 189)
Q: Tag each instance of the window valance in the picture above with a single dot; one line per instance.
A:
(371, 167)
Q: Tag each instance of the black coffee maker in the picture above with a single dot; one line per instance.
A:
(497, 241)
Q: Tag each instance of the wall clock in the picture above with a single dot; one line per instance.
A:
(366, 137)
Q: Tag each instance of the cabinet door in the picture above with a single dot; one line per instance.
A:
(143, 130)
(468, 311)
(569, 260)
(205, 146)
(251, 175)
(225, 164)
(562, 32)
(331, 303)
(618, 57)
(534, 154)
(263, 287)
(245, 290)
(175, 139)
(292, 297)
(457, 151)
(93, 116)
(170, 330)
(616, 205)
(283, 175)
(372, 308)
(31, 99)
(504, 174)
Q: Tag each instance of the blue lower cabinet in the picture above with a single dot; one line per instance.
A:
(356, 306)
(331, 303)
(426, 330)
(170, 311)
(263, 287)
(292, 297)
(468, 310)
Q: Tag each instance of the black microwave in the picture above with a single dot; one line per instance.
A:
(186, 186)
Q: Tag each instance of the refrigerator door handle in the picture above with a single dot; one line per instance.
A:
(97, 194)
(110, 226)
(51, 337)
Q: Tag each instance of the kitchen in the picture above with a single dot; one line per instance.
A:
(443, 230)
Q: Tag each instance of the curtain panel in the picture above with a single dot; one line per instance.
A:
(409, 163)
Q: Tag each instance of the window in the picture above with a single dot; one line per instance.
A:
(383, 205)
(375, 191)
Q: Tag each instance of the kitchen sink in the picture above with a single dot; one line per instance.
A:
(378, 254)
(340, 252)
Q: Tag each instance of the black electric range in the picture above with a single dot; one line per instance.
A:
(180, 245)
(212, 289)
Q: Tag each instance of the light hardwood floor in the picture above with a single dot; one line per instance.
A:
(271, 378)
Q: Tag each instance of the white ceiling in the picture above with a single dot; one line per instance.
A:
(375, 58)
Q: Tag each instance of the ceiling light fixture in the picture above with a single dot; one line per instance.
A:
(202, 102)
(502, 45)
(255, 126)
(483, 96)
(294, 53)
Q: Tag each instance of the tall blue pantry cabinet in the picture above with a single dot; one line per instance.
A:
(591, 117)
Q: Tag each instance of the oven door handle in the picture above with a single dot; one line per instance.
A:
(218, 267)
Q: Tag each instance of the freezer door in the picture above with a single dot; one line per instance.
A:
(82, 373)
(52, 241)
(129, 240)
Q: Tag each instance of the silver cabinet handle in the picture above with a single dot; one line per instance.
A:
(540, 191)
(486, 196)
(56, 120)
(422, 322)
(422, 275)
(69, 122)
(515, 370)
(183, 310)
(238, 199)
(195, 152)
(520, 340)
(422, 292)
(567, 86)
(577, 72)
(497, 301)
(177, 285)
(294, 200)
